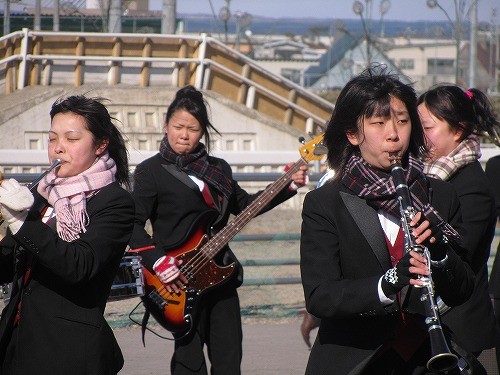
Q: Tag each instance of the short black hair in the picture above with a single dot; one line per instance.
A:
(366, 95)
(100, 124)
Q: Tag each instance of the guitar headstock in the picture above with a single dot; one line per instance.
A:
(314, 149)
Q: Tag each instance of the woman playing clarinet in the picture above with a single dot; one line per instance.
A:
(358, 278)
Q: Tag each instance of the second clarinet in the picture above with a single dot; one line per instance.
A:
(441, 357)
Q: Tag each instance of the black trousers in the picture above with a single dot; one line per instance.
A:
(219, 328)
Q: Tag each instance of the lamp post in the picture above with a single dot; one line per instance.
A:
(224, 16)
(359, 9)
(37, 22)
(243, 20)
(456, 27)
(385, 5)
(6, 17)
(438, 32)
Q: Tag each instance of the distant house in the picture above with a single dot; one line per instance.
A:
(426, 61)
(286, 57)
(347, 57)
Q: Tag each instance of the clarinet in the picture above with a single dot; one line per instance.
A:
(441, 357)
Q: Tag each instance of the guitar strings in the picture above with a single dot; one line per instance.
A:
(203, 257)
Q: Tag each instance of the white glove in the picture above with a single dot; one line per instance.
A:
(15, 201)
(167, 269)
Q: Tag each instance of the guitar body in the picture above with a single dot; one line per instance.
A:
(176, 311)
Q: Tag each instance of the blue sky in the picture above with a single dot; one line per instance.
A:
(411, 10)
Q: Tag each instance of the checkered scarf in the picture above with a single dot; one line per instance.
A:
(69, 195)
(198, 164)
(377, 188)
(466, 152)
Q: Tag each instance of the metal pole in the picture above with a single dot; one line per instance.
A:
(115, 17)
(57, 11)
(6, 17)
(473, 44)
(37, 25)
(168, 17)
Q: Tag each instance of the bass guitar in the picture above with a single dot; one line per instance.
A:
(176, 311)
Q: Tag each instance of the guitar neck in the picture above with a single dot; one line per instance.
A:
(220, 239)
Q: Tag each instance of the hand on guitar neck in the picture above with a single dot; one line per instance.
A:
(299, 178)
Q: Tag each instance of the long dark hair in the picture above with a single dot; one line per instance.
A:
(100, 124)
(367, 95)
(467, 111)
(191, 100)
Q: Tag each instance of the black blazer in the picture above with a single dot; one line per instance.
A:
(174, 205)
(493, 173)
(62, 329)
(343, 255)
(474, 322)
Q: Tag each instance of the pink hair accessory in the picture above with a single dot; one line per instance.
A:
(469, 94)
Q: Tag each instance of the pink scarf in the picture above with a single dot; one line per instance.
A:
(69, 195)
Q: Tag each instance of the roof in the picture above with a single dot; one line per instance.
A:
(332, 56)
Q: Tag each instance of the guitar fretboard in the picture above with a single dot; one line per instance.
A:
(220, 239)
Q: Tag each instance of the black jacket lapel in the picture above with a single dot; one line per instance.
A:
(369, 224)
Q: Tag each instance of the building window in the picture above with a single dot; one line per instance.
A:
(132, 119)
(406, 64)
(247, 145)
(230, 146)
(291, 74)
(34, 144)
(150, 119)
(440, 66)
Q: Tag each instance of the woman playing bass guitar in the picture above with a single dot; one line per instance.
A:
(175, 189)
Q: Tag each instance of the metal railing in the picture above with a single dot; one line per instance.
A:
(39, 57)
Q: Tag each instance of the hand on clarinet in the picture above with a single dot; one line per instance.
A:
(15, 202)
(167, 270)
(404, 273)
(428, 234)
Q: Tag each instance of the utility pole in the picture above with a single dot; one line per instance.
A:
(115, 17)
(473, 44)
(6, 17)
(168, 17)
(37, 24)
(57, 12)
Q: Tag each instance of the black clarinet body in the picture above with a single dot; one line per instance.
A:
(441, 357)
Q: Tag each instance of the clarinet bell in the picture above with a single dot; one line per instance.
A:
(442, 359)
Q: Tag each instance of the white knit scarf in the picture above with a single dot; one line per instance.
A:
(466, 152)
(69, 195)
